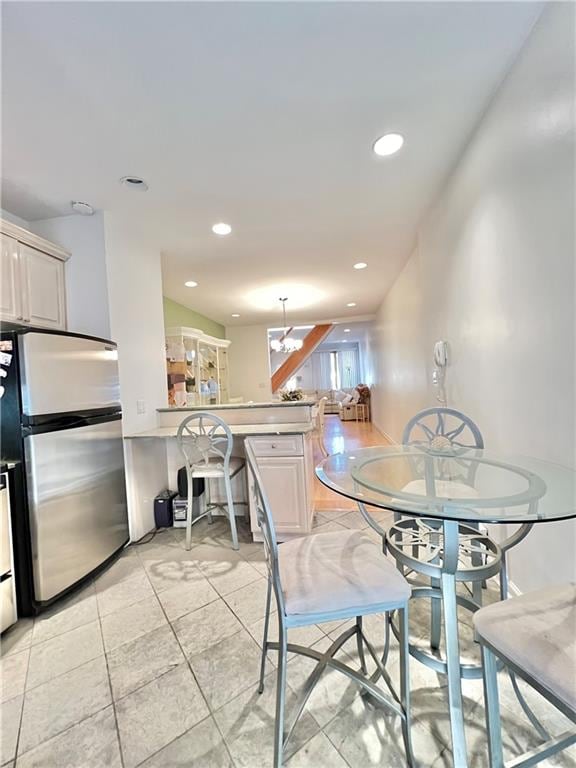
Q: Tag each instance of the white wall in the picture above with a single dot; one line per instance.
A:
(400, 387)
(248, 362)
(494, 275)
(86, 279)
(136, 320)
(14, 219)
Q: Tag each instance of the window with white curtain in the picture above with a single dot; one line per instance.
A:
(336, 368)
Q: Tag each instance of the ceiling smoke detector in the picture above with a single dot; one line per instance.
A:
(134, 182)
(84, 209)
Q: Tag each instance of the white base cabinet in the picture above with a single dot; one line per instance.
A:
(286, 468)
(33, 288)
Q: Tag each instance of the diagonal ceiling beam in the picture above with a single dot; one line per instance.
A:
(297, 358)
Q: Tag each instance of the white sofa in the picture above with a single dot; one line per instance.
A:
(336, 398)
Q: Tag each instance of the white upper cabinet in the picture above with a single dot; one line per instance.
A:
(33, 288)
(10, 296)
(44, 288)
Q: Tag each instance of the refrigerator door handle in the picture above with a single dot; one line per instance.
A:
(65, 421)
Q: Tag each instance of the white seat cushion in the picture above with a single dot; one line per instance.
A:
(344, 573)
(537, 632)
(215, 467)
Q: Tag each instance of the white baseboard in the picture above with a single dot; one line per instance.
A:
(384, 434)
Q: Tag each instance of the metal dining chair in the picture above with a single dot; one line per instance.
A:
(320, 578)
(205, 441)
(534, 635)
(443, 429)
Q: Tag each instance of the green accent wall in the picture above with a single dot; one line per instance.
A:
(177, 314)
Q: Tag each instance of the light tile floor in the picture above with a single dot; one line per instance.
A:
(155, 664)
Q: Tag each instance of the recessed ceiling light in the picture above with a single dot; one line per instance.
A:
(346, 330)
(388, 144)
(235, 314)
(134, 182)
(351, 304)
(221, 228)
(190, 284)
(360, 265)
(82, 208)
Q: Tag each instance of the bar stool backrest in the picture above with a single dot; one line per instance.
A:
(203, 437)
(444, 428)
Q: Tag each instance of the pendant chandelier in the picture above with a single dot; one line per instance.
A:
(284, 344)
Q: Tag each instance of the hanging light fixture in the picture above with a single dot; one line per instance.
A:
(284, 344)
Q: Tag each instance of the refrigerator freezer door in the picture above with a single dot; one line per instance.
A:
(76, 501)
(64, 373)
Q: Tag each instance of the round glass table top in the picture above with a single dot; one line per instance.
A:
(464, 484)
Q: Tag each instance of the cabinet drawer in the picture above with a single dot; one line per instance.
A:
(280, 445)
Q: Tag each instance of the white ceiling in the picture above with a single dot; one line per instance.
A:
(258, 114)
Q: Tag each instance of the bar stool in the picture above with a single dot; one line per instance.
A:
(321, 578)
(534, 635)
(205, 441)
(442, 428)
(319, 424)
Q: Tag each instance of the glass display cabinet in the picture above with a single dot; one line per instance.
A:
(197, 368)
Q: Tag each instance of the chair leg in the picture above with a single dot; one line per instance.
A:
(231, 515)
(386, 651)
(208, 501)
(265, 638)
(490, 676)
(280, 695)
(435, 618)
(405, 685)
(435, 605)
(360, 644)
(189, 504)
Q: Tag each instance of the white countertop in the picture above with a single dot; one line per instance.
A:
(240, 406)
(244, 430)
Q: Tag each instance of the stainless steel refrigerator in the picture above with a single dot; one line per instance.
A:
(61, 420)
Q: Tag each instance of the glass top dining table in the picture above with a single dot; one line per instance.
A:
(461, 484)
(459, 488)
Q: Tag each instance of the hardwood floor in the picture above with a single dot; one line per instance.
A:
(342, 436)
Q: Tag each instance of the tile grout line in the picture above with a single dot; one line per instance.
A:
(187, 661)
(63, 609)
(21, 719)
(60, 733)
(18, 756)
(55, 677)
(243, 690)
(120, 750)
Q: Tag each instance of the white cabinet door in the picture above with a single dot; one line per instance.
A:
(284, 481)
(10, 301)
(44, 302)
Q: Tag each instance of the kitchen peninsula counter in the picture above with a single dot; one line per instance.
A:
(285, 463)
